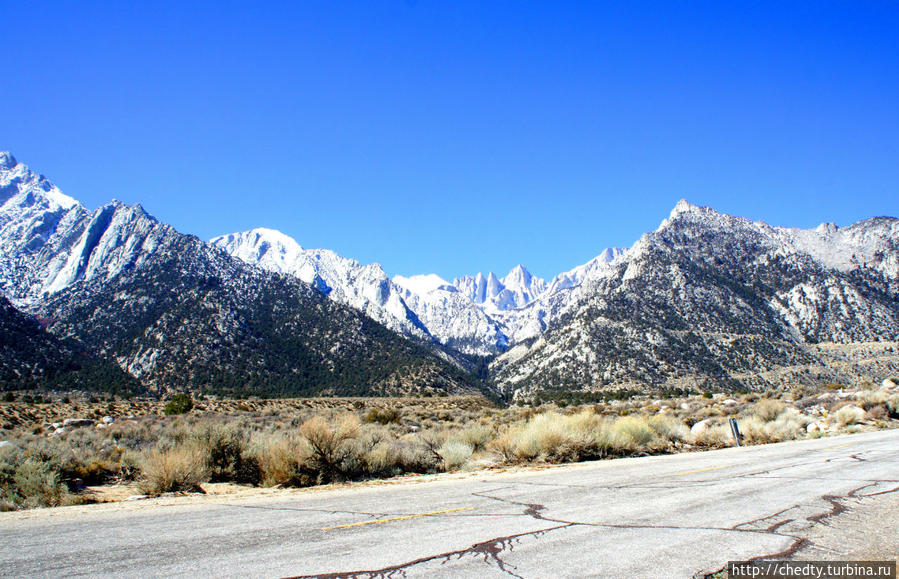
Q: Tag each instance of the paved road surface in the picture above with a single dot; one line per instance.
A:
(665, 516)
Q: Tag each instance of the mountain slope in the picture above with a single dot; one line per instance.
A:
(30, 357)
(363, 287)
(475, 315)
(709, 299)
(178, 313)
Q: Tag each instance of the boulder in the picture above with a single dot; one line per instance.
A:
(701, 427)
(107, 420)
(730, 402)
(77, 422)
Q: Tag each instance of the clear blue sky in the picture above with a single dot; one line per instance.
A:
(455, 137)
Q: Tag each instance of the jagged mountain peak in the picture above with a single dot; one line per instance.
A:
(684, 211)
(518, 275)
(363, 287)
(23, 187)
(7, 161)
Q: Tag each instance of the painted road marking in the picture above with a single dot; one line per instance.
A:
(402, 518)
(700, 470)
(838, 446)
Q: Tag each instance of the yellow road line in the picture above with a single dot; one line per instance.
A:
(700, 470)
(838, 446)
(402, 518)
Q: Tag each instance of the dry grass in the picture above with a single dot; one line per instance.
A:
(316, 441)
(178, 469)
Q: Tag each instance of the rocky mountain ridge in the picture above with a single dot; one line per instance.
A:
(707, 300)
(176, 313)
(711, 300)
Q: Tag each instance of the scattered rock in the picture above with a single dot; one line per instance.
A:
(107, 420)
(684, 406)
(137, 497)
(816, 410)
(701, 427)
(730, 402)
(77, 422)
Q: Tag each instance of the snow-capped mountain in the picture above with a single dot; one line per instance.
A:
(48, 241)
(178, 313)
(363, 287)
(713, 299)
(706, 300)
(477, 315)
(451, 317)
(517, 289)
(595, 266)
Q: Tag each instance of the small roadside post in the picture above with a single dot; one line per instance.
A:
(735, 430)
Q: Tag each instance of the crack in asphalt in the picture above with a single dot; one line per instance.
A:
(489, 550)
(305, 510)
(837, 507)
(765, 518)
(492, 549)
(886, 492)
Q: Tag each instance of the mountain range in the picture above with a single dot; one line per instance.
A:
(706, 300)
(177, 313)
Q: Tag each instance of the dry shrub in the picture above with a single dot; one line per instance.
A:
(282, 460)
(868, 399)
(787, 426)
(504, 445)
(28, 482)
(178, 469)
(382, 460)
(877, 413)
(478, 437)
(383, 416)
(416, 455)
(714, 436)
(455, 453)
(669, 428)
(848, 415)
(767, 410)
(540, 436)
(331, 452)
(632, 433)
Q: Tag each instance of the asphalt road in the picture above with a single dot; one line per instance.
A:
(665, 516)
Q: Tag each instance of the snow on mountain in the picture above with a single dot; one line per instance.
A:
(363, 287)
(577, 275)
(421, 284)
(709, 298)
(49, 241)
(517, 289)
(175, 312)
(479, 315)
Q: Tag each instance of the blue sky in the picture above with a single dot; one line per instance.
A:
(455, 137)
